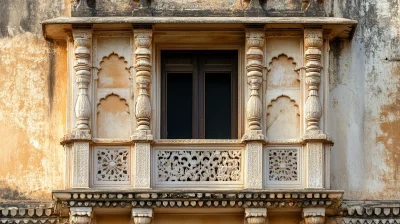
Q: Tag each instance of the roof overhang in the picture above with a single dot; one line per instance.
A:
(58, 28)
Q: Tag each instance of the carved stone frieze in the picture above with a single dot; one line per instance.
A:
(112, 164)
(315, 168)
(255, 39)
(80, 215)
(200, 199)
(142, 165)
(143, 40)
(313, 42)
(254, 165)
(82, 44)
(219, 165)
(81, 165)
(283, 165)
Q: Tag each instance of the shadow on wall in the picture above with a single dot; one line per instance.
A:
(8, 193)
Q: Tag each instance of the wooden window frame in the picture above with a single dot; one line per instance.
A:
(199, 69)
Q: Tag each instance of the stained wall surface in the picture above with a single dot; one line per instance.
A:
(32, 100)
(364, 101)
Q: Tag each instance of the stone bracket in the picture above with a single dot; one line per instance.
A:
(81, 215)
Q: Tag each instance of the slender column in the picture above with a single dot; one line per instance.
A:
(82, 43)
(80, 215)
(254, 137)
(142, 215)
(80, 135)
(314, 215)
(143, 40)
(255, 215)
(313, 43)
(142, 136)
(255, 39)
(314, 136)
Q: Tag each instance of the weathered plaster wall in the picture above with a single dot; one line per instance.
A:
(32, 100)
(365, 105)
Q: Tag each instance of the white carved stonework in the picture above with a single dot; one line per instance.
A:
(176, 166)
(255, 215)
(314, 215)
(82, 65)
(142, 165)
(142, 215)
(81, 165)
(255, 39)
(315, 168)
(253, 165)
(313, 42)
(80, 215)
(112, 164)
(143, 40)
(283, 165)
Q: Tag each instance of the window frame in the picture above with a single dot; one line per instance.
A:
(199, 68)
(157, 80)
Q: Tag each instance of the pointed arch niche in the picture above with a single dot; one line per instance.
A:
(283, 120)
(113, 117)
(283, 95)
(113, 88)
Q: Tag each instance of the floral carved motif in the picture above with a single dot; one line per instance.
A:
(283, 165)
(112, 165)
(199, 165)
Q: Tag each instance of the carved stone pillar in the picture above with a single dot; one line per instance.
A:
(255, 215)
(142, 215)
(80, 215)
(142, 136)
(143, 40)
(82, 44)
(255, 39)
(313, 43)
(80, 136)
(314, 215)
(254, 137)
(314, 136)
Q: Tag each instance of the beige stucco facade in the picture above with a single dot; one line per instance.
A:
(332, 116)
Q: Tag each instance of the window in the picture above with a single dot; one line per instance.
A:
(199, 94)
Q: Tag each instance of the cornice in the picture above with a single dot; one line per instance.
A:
(200, 198)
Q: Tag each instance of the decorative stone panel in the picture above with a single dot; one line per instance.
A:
(198, 167)
(283, 167)
(111, 165)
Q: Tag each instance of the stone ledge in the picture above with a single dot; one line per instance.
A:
(191, 199)
(59, 28)
(371, 209)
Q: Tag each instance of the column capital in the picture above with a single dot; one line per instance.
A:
(255, 215)
(314, 215)
(80, 215)
(142, 215)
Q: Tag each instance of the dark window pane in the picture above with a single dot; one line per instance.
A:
(179, 105)
(218, 105)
